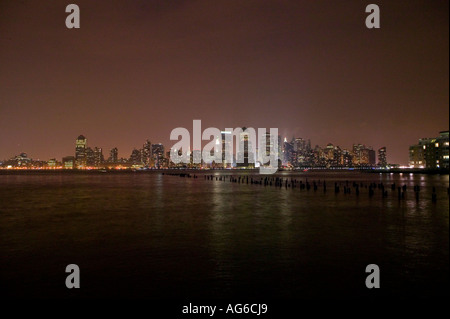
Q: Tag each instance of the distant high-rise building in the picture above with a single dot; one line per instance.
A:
(90, 157)
(382, 161)
(288, 153)
(136, 157)
(372, 157)
(98, 157)
(346, 158)
(268, 147)
(80, 152)
(337, 157)
(271, 150)
(356, 153)
(280, 151)
(300, 145)
(245, 156)
(319, 157)
(113, 155)
(363, 156)
(196, 157)
(158, 155)
(226, 141)
(146, 153)
(329, 153)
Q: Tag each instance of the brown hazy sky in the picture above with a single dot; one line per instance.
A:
(138, 69)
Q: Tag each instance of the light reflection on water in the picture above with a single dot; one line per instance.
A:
(170, 236)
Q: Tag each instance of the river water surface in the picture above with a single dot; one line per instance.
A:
(151, 235)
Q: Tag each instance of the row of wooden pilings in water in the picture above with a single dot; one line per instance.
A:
(347, 186)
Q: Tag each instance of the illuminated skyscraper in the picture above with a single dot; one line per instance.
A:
(363, 156)
(80, 152)
(270, 149)
(245, 156)
(227, 159)
(372, 157)
(90, 157)
(288, 153)
(135, 157)
(280, 151)
(113, 155)
(382, 161)
(158, 155)
(346, 158)
(98, 157)
(146, 153)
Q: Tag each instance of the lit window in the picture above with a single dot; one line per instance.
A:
(424, 147)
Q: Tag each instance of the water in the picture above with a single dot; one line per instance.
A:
(156, 236)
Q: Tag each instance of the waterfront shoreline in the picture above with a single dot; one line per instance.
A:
(237, 171)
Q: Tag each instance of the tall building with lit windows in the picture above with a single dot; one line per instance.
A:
(226, 141)
(98, 157)
(136, 157)
(158, 159)
(272, 149)
(90, 157)
(382, 161)
(363, 156)
(113, 155)
(68, 162)
(288, 153)
(443, 149)
(245, 156)
(146, 153)
(417, 153)
(80, 152)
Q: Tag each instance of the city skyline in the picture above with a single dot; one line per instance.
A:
(148, 141)
(429, 153)
(143, 68)
(119, 156)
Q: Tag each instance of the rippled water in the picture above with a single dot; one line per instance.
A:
(159, 236)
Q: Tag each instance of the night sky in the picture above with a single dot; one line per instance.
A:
(138, 69)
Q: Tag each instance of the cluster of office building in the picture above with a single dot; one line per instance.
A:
(429, 153)
(296, 153)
